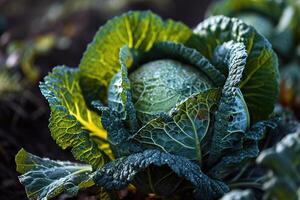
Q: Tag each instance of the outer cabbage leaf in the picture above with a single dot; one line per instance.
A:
(137, 30)
(260, 93)
(119, 173)
(45, 179)
(182, 131)
(119, 135)
(231, 119)
(119, 96)
(284, 162)
(245, 149)
(188, 55)
(72, 124)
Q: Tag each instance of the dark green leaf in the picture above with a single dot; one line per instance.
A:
(260, 93)
(119, 173)
(45, 179)
(118, 135)
(231, 118)
(191, 56)
(119, 96)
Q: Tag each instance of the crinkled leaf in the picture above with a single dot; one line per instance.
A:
(256, 132)
(284, 162)
(119, 96)
(113, 123)
(191, 56)
(182, 132)
(45, 179)
(119, 173)
(137, 30)
(246, 148)
(231, 118)
(118, 134)
(260, 93)
(72, 124)
(227, 163)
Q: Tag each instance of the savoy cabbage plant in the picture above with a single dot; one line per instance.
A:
(159, 107)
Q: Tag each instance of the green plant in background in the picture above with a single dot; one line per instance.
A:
(283, 162)
(9, 83)
(279, 21)
(282, 180)
(239, 195)
(24, 53)
(169, 110)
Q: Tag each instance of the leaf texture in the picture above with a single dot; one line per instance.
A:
(120, 97)
(44, 179)
(191, 56)
(72, 124)
(231, 118)
(119, 173)
(245, 149)
(182, 131)
(137, 30)
(259, 93)
(118, 134)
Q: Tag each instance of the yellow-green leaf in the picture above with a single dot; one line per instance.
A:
(72, 123)
(137, 30)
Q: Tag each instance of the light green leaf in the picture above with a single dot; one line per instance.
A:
(260, 93)
(137, 30)
(159, 85)
(45, 179)
(182, 132)
(72, 124)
